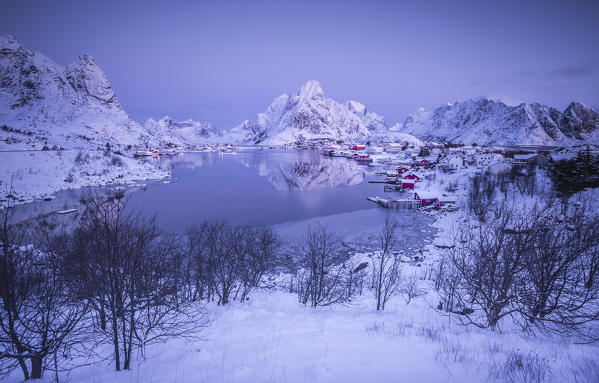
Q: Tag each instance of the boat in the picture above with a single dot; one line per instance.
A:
(67, 211)
(141, 153)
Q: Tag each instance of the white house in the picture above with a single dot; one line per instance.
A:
(455, 162)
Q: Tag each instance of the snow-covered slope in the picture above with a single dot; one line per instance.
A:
(487, 121)
(308, 114)
(188, 132)
(43, 103)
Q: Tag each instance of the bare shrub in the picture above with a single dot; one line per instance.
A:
(451, 350)
(409, 289)
(356, 273)
(321, 277)
(433, 334)
(585, 370)
(116, 161)
(81, 158)
(520, 367)
(386, 267)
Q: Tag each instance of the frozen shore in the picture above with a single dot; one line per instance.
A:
(29, 175)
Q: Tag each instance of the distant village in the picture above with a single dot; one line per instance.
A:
(407, 166)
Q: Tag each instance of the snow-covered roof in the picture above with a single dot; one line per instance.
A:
(427, 194)
(524, 156)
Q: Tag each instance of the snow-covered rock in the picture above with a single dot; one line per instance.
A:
(488, 121)
(308, 114)
(42, 103)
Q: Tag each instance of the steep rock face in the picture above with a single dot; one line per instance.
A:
(42, 102)
(182, 133)
(487, 121)
(579, 121)
(308, 114)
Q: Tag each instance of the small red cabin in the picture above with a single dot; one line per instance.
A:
(358, 147)
(401, 171)
(426, 198)
(424, 162)
(412, 176)
(407, 184)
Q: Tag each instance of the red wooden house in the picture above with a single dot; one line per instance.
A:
(426, 198)
(363, 157)
(401, 171)
(413, 177)
(358, 147)
(407, 183)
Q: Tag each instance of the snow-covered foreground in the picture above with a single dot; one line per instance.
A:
(35, 174)
(272, 338)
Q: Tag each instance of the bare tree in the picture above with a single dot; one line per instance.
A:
(484, 265)
(386, 267)
(126, 269)
(321, 277)
(559, 288)
(257, 248)
(410, 290)
(39, 314)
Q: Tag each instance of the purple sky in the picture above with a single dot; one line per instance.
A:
(224, 61)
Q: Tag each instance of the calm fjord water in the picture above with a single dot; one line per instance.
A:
(264, 186)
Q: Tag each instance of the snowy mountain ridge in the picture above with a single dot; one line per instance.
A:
(308, 114)
(188, 132)
(43, 103)
(489, 121)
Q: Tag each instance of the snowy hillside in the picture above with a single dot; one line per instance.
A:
(487, 121)
(43, 103)
(308, 114)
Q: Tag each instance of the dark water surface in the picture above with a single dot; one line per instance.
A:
(260, 186)
(287, 189)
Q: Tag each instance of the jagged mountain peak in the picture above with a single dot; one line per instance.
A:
(70, 107)
(9, 42)
(182, 133)
(308, 114)
(85, 75)
(311, 90)
(491, 121)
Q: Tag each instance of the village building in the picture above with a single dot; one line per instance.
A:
(485, 159)
(531, 159)
(452, 163)
(407, 183)
(426, 198)
(412, 176)
(500, 167)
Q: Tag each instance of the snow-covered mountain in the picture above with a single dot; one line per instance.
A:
(308, 114)
(42, 102)
(488, 121)
(188, 132)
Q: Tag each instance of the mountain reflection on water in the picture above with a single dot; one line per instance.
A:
(298, 170)
(261, 186)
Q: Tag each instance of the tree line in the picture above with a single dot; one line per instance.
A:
(118, 279)
(531, 257)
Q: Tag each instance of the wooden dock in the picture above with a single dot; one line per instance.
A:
(392, 203)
